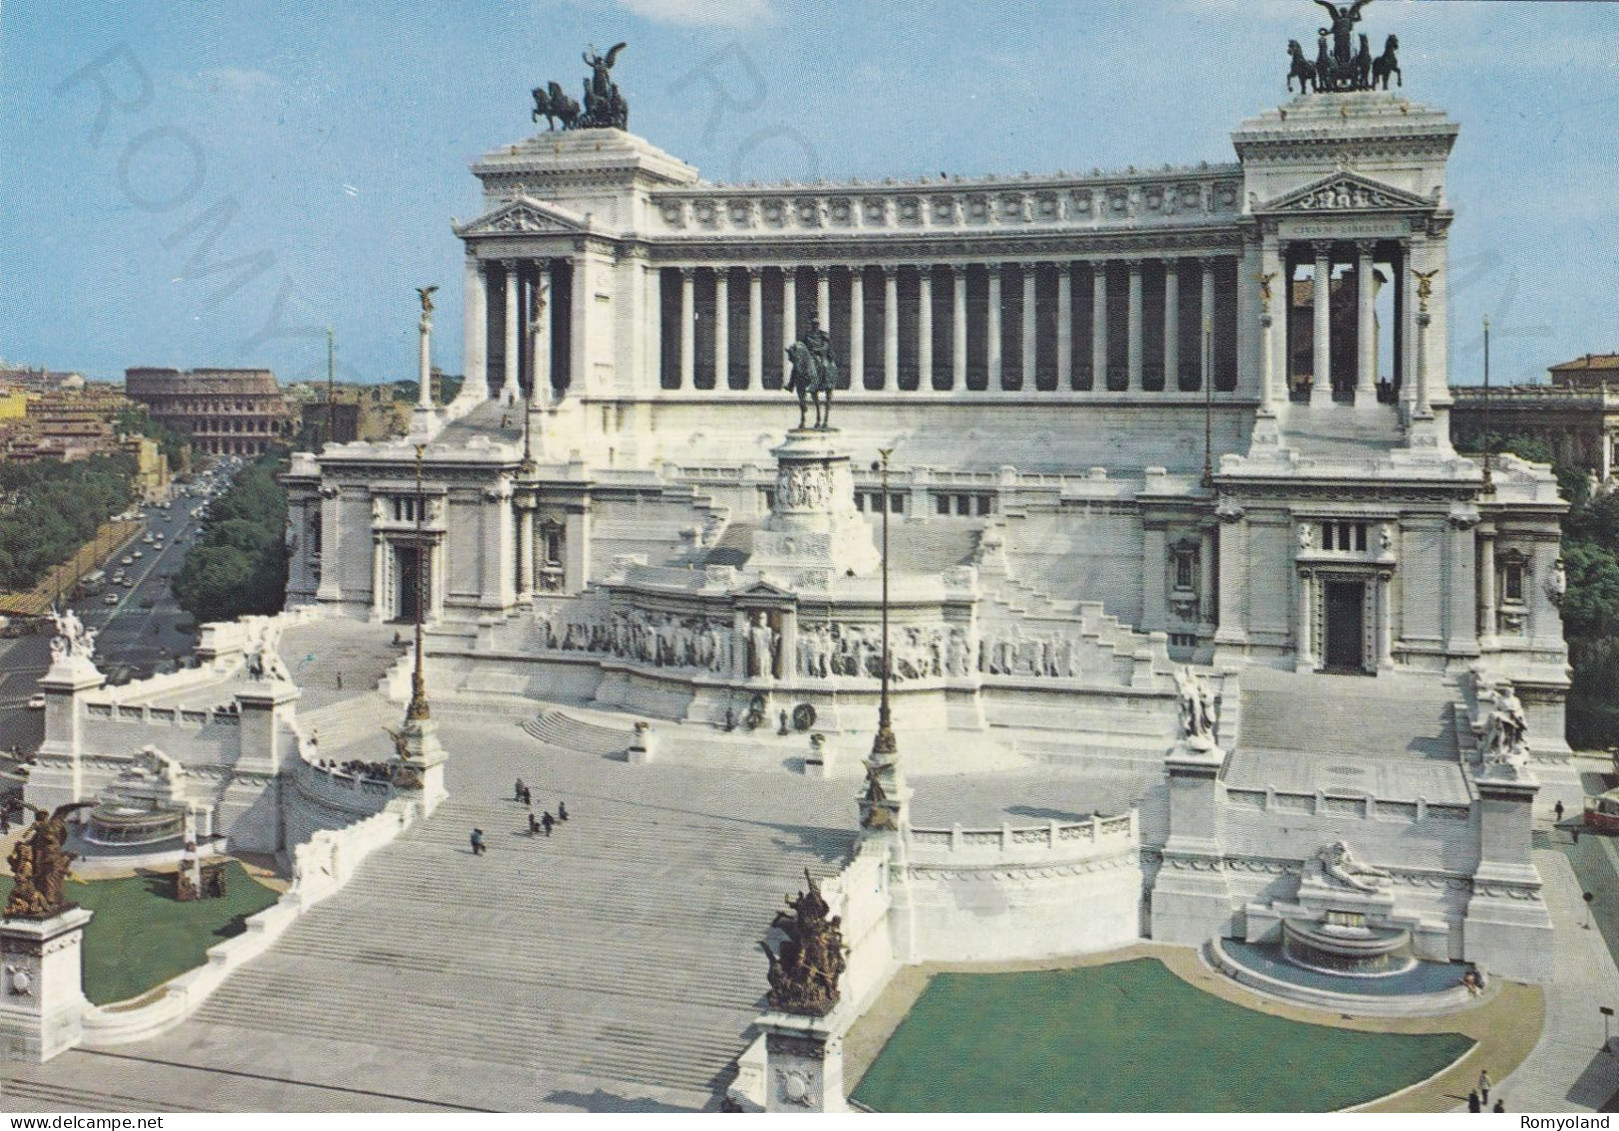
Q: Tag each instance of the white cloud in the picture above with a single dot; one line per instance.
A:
(702, 13)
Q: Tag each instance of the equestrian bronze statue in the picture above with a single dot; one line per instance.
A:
(814, 376)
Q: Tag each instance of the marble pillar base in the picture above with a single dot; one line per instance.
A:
(42, 1003)
(804, 1061)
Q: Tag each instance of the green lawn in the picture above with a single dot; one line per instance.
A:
(1129, 1037)
(141, 938)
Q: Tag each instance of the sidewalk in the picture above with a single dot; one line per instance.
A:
(1568, 1069)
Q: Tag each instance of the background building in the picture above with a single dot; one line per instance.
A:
(1576, 416)
(224, 411)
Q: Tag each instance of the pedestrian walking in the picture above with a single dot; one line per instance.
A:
(517, 790)
(1484, 1084)
(340, 681)
(1558, 809)
(546, 822)
(1472, 1103)
(533, 824)
(528, 796)
(477, 842)
(562, 810)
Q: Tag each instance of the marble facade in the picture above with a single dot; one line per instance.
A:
(1105, 463)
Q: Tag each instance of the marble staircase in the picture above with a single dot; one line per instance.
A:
(1391, 716)
(613, 965)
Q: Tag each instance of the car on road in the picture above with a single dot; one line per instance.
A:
(127, 561)
(147, 538)
(37, 702)
(111, 599)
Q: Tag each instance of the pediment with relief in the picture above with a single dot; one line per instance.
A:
(522, 215)
(1347, 192)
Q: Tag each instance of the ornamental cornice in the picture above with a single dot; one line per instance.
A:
(907, 248)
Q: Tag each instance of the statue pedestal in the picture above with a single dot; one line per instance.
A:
(1191, 898)
(426, 758)
(1508, 927)
(42, 1001)
(804, 1061)
(813, 533)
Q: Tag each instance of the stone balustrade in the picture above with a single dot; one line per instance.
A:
(1104, 832)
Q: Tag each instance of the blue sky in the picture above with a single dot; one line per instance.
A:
(325, 145)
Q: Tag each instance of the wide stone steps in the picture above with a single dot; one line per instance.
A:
(622, 948)
(558, 728)
(1344, 715)
(37, 1095)
(355, 722)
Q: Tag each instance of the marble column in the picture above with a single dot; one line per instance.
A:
(924, 328)
(475, 334)
(857, 329)
(540, 388)
(1135, 313)
(890, 328)
(1321, 382)
(958, 326)
(1304, 651)
(1031, 353)
(509, 388)
(1205, 346)
(1365, 325)
(992, 332)
(1172, 326)
(381, 599)
(688, 327)
(1424, 407)
(722, 327)
(1385, 621)
(1206, 582)
(525, 546)
(789, 306)
(1486, 580)
(1099, 325)
(653, 357)
(756, 328)
(1065, 327)
(823, 298)
(424, 364)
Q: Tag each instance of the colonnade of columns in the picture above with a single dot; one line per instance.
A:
(1325, 256)
(1041, 292)
(529, 303)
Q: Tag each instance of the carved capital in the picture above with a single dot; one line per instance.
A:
(1229, 512)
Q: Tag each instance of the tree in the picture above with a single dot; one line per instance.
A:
(239, 563)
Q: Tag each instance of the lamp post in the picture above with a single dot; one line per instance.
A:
(1607, 1021)
(1208, 403)
(880, 806)
(418, 710)
(1489, 479)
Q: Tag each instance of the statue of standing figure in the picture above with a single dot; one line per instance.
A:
(1506, 733)
(761, 648)
(814, 376)
(1198, 716)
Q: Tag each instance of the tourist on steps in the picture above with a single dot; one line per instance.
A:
(1472, 1102)
(517, 790)
(477, 842)
(562, 810)
(546, 822)
(1484, 1085)
(533, 824)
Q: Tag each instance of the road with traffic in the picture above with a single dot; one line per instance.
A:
(138, 623)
